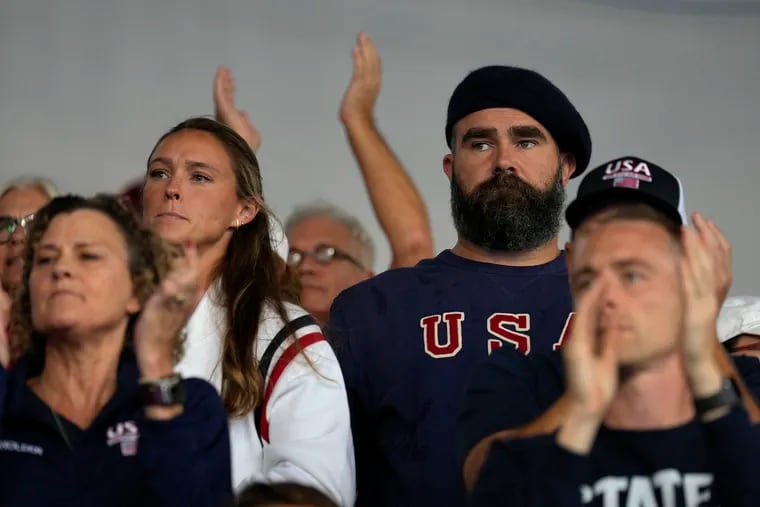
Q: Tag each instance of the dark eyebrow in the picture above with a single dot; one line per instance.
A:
(618, 264)
(526, 131)
(192, 164)
(162, 160)
(630, 263)
(584, 271)
(80, 244)
(479, 133)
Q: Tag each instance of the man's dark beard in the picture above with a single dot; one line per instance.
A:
(506, 214)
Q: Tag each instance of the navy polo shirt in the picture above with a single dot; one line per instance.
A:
(122, 458)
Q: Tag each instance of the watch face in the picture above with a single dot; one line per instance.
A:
(162, 392)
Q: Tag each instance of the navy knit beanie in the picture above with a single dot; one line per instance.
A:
(528, 91)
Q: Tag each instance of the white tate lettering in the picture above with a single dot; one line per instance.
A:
(696, 489)
(610, 489)
(640, 493)
(665, 488)
(587, 494)
(666, 481)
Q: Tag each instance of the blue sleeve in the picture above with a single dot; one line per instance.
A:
(749, 370)
(733, 451)
(506, 390)
(346, 338)
(3, 387)
(531, 472)
(187, 459)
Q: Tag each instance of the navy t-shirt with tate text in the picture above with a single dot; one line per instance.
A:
(691, 465)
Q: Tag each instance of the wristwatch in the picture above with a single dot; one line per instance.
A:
(727, 397)
(164, 391)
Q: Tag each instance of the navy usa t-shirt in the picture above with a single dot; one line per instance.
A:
(408, 340)
(692, 465)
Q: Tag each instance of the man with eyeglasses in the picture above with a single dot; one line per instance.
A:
(330, 251)
(19, 200)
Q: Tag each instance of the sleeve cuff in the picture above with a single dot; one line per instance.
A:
(571, 467)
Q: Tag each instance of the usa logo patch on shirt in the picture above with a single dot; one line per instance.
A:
(126, 435)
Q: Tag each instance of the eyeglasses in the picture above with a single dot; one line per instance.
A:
(323, 254)
(8, 226)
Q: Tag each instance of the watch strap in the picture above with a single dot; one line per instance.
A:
(163, 391)
(727, 397)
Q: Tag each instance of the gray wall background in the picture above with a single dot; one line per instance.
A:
(86, 87)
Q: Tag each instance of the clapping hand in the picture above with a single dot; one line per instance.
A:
(165, 313)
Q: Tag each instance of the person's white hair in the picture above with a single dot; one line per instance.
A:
(46, 186)
(332, 212)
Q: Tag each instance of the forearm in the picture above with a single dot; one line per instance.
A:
(733, 454)
(728, 368)
(398, 206)
(531, 472)
(309, 422)
(156, 367)
(546, 423)
(187, 459)
(578, 431)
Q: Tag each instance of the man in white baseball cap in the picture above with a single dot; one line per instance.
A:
(739, 325)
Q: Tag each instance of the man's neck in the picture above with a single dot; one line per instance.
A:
(535, 257)
(654, 398)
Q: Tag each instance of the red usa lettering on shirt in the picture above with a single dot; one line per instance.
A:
(442, 333)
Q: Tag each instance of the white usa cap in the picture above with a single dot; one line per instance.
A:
(739, 315)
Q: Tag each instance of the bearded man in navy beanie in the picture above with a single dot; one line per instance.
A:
(408, 339)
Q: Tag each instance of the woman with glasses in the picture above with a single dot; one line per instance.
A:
(279, 379)
(93, 413)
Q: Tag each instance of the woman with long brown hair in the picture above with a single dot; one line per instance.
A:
(279, 379)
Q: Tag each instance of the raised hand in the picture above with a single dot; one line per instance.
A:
(591, 371)
(591, 364)
(720, 251)
(704, 269)
(226, 112)
(359, 99)
(165, 313)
